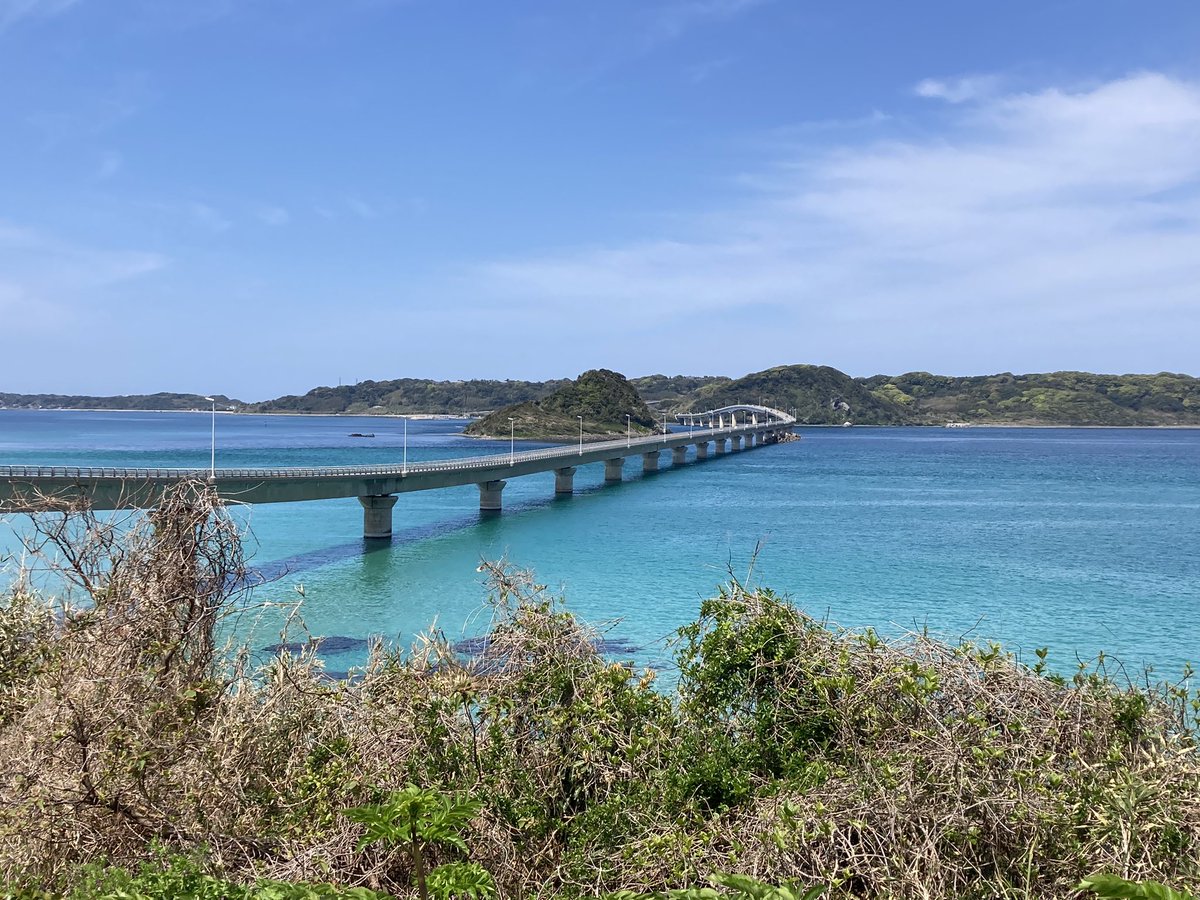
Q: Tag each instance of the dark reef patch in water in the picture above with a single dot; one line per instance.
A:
(334, 643)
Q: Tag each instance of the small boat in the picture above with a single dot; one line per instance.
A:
(360, 434)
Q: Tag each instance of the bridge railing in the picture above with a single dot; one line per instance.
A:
(490, 461)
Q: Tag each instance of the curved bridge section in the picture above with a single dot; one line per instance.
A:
(746, 413)
(34, 488)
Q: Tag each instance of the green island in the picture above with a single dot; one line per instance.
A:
(820, 395)
(146, 402)
(146, 755)
(598, 404)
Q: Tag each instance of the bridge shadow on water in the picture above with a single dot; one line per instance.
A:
(488, 522)
(341, 647)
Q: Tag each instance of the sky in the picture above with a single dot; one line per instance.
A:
(256, 197)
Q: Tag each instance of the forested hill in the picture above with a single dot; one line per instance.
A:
(820, 395)
(602, 397)
(1056, 398)
(674, 391)
(817, 395)
(406, 396)
(403, 396)
(159, 401)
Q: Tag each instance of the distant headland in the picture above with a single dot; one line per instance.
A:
(818, 395)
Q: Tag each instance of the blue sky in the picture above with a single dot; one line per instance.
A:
(258, 196)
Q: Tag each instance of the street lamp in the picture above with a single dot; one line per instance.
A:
(512, 441)
(664, 429)
(580, 418)
(212, 460)
(404, 467)
(628, 430)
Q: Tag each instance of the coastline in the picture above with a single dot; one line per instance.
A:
(972, 425)
(567, 439)
(235, 412)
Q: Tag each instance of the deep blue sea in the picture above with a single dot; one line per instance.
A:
(1081, 540)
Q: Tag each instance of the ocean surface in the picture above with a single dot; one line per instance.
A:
(1080, 540)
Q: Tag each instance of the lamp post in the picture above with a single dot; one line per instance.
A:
(404, 466)
(664, 429)
(212, 459)
(580, 418)
(512, 441)
(628, 430)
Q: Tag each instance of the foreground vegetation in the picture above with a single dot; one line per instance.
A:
(142, 760)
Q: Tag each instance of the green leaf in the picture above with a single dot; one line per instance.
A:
(459, 879)
(1112, 887)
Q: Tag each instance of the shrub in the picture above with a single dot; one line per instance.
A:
(793, 752)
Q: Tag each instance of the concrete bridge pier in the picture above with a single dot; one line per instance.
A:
(702, 450)
(489, 495)
(377, 515)
(752, 440)
(650, 461)
(720, 442)
(612, 468)
(678, 455)
(735, 443)
(564, 480)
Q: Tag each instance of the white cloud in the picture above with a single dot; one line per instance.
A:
(272, 215)
(670, 21)
(1060, 222)
(959, 90)
(46, 280)
(94, 111)
(13, 11)
(208, 217)
(362, 208)
(110, 165)
(701, 72)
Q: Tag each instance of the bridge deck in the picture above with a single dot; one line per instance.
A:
(22, 487)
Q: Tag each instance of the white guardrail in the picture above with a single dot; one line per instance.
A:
(565, 453)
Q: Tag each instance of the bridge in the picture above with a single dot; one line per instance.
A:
(34, 488)
(718, 417)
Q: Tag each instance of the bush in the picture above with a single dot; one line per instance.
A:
(791, 751)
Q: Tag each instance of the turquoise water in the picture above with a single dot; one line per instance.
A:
(1079, 540)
